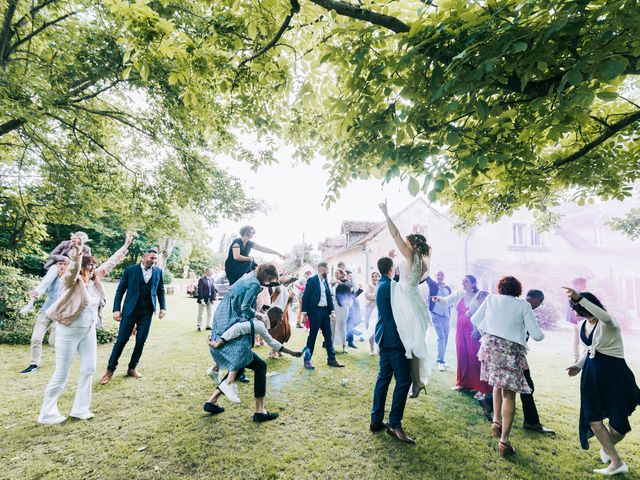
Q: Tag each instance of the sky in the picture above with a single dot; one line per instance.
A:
(298, 208)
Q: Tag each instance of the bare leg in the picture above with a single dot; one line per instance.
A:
(508, 410)
(606, 440)
(497, 404)
(260, 405)
(231, 377)
(215, 396)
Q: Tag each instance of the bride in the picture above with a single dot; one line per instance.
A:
(410, 309)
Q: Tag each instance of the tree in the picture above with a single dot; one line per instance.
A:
(628, 224)
(300, 253)
(88, 140)
(487, 106)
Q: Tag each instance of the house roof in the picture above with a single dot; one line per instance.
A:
(379, 227)
(357, 226)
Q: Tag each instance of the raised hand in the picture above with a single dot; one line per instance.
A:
(572, 294)
(383, 207)
(128, 239)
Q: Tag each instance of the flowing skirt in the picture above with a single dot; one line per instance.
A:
(607, 390)
(467, 349)
(340, 328)
(413, 318)
(503, 364)
(237, 353)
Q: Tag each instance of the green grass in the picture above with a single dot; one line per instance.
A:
(155, 427)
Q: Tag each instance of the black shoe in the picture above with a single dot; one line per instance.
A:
(212, 408)
(243, 378)
(30, 368)
(264, 417)
(208, 328)
(199, 329)
(352, 345)
(538, 428)
(377, 427)
(333, 363)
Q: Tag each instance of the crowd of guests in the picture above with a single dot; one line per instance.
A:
(492, 334)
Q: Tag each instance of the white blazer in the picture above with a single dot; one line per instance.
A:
(507, 317)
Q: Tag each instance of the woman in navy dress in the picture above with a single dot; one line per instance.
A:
(608, 388)
(239, 260)
(239, 306)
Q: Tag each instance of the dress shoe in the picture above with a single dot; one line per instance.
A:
(608, 472)
(398, 433)
(208, 328)
(308, 365)
(538, 428)
(352, 345)
(243, 378)
(333, 363)
(132, 372)
(264, 417)
(377, 426)
(416, 389)
(106, 377)
(441, 367)
(212, 408)
(199, 329)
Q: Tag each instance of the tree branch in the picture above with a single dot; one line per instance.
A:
(613, 130)
(295, 7)
(348, 10)
(42, 27)
(33, 11)
(11, 125)
(6, 31)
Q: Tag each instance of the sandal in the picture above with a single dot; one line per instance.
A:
(496, 429)
(505, 449)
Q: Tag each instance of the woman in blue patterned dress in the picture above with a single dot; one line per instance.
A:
(239, 305)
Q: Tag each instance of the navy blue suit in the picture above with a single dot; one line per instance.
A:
(319, 317)
(393, 361)
(139, 304)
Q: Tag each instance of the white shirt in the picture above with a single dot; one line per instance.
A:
(507, 317)
(146, 272)
(89, 315)
(244, 328)
(323, 293)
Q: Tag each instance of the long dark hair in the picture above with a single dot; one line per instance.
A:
(419, 244)
(473, 281)
(583, 312)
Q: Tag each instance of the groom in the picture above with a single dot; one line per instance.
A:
(393, 361)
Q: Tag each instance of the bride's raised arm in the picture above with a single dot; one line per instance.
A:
(404, 249)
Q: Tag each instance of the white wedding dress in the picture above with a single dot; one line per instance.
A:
(412, 316)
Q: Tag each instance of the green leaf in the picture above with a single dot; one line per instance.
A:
(574, 77)
(613, 68)
(414, 186)
(519, 47)
(607, 96)
(453, 138)
(483, 110)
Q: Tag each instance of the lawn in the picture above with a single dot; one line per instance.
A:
(155, 427)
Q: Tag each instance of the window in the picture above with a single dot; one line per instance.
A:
(537, 238)
(518, 234)
(421, 229)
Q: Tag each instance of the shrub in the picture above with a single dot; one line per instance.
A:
(14, 294)
(547, 316)
(167, 276)
(108, 332)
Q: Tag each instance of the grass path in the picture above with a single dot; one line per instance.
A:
(155, 427)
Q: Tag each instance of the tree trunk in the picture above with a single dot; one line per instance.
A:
(166, 246)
